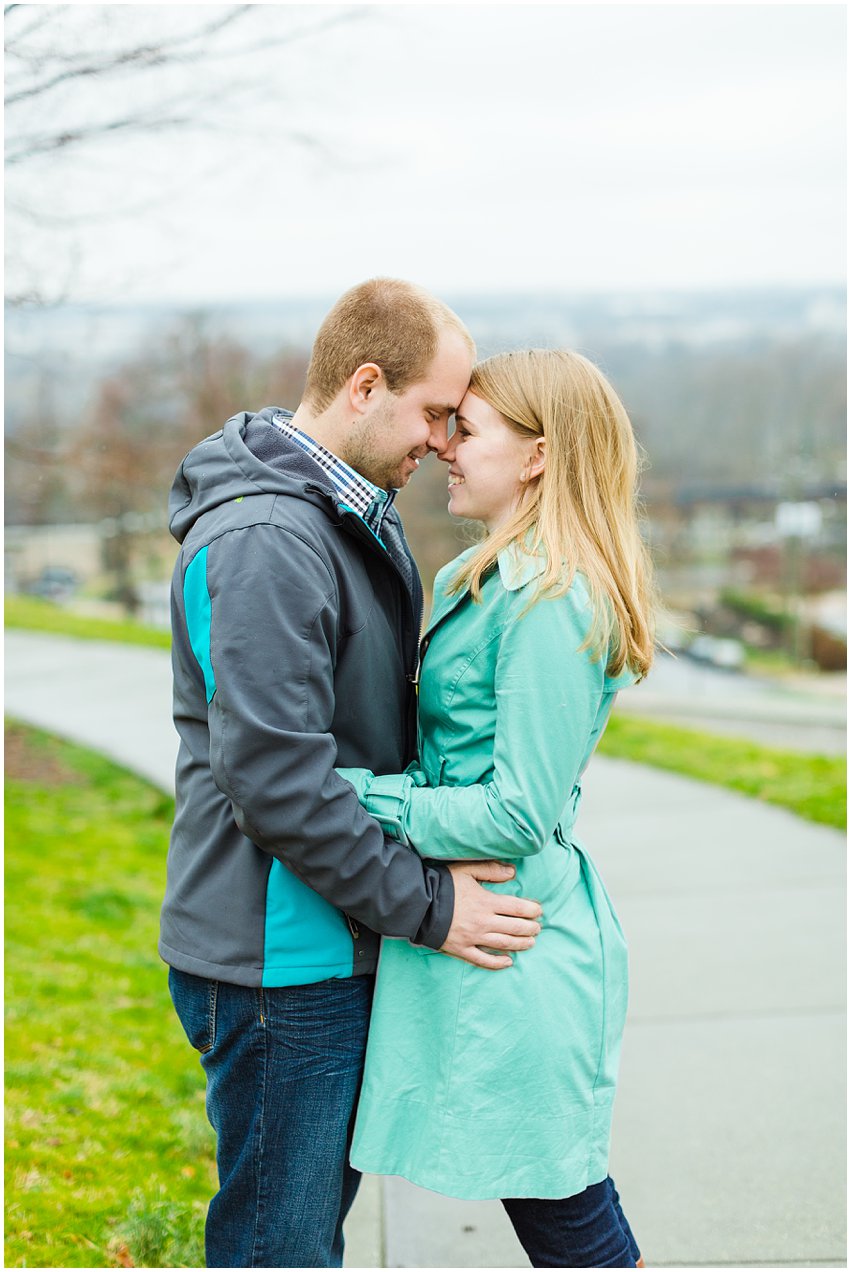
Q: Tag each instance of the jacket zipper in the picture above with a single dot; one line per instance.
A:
(355, 526)
(364, 535)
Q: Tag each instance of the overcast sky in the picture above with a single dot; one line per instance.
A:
(468, 147)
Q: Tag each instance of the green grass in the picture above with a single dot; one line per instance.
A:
(43, 616)
(109, 1158)
(813, 786)
(775, 663)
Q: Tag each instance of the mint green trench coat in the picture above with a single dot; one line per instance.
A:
(483, 1084)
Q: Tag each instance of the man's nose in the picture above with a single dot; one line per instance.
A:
(437, 437)
(446, 451)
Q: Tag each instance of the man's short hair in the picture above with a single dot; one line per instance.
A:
(394, 324)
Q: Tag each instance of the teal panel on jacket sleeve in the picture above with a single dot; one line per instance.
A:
(196, 602)
(307, 938)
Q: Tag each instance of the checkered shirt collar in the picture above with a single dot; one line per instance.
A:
(368, 501)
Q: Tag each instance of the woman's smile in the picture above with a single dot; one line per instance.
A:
(488, 487)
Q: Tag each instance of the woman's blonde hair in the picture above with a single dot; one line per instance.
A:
(582, 511)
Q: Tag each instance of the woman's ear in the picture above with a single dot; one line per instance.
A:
(537, 459)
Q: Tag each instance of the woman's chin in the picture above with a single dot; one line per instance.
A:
(457, 504)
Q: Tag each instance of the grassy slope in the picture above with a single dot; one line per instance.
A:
(813, 786)
(108, 1153)
(41, 616)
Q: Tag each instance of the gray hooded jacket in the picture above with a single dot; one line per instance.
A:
(294, 650)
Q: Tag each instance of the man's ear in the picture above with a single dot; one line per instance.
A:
(365, 386)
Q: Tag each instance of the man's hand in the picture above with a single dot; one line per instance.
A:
(488, 918)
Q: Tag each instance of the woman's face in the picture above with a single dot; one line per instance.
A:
(486, 459)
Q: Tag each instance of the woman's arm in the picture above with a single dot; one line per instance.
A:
(547, 696)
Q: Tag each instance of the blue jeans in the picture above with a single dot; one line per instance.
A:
(585, 1231)
(283, 1072)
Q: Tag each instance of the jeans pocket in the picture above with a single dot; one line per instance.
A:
(195, 1000)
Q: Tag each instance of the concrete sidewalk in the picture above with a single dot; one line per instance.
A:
(729, 1129)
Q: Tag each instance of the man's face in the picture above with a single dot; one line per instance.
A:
(387, 444)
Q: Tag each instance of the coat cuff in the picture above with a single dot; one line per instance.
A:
(359, 778)
(385, 800)
(384, 797)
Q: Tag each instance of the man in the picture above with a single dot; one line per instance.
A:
(296, 613)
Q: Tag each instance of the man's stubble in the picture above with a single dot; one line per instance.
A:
(370, 451)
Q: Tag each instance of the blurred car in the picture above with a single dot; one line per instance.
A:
(55, 583)
(717, 651)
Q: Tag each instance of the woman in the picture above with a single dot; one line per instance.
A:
(483, 1086)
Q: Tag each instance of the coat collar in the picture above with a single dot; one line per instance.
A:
(518, 567)
(443, 602)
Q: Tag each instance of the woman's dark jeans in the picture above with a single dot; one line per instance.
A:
(585, 1231)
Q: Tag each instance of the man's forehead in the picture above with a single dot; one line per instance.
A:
(448, 377)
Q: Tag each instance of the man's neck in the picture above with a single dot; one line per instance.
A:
(323, 428)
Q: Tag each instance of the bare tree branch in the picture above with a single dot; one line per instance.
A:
(76, 77)
(169, 112)
(146, 56)
(143, 57)
(46, 145)
(47, 13)
(349, 15)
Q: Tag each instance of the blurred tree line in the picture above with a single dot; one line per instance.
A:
(114, 463)
(769, 415)
(771, 412)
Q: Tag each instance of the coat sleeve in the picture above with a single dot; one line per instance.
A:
(548, 691)
(267, 649)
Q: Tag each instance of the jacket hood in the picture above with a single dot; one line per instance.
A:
(249, 456)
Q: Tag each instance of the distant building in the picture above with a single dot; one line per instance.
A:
(81, 549)
(30, 550)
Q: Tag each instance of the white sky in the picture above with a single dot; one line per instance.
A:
(477, 148)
